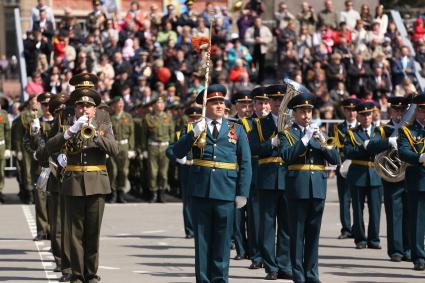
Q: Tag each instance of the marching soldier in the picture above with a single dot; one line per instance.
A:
(306, 184)
(157, 133)
(271, 186)
(216, 184)
(410, 149)
(261, 110)
(123, 127)
(4, 147)
(85, 182)
(59, 232)
(395, 199)
(194, 113)
(363, 179)
(243, 104)
(35, 137)
(340, 133)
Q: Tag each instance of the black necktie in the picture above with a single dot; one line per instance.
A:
(367, 134)
(215, 130)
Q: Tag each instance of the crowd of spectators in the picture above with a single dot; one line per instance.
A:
(146, 52)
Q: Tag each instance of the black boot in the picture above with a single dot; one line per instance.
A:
(1, 198)
(112, 197)
(121, 197)
(161, 196)
(29, 197)
(154, 197)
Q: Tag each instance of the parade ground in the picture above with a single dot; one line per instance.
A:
(144, 243)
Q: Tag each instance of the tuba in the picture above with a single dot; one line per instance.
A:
(387, 164)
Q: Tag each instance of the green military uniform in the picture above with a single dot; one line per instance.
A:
(364, 181)
(340, 132)
(123, 127)
(85, 184)
(4, 145)
(410, 150)
(306, 189)
(157, 133)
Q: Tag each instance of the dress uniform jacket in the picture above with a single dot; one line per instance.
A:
(410, 147)
(216, 177)
(364, 182)
(306, 189)
(273, 204)
(395, 201)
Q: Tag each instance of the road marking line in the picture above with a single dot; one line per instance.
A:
(33, 230)
(153, 232)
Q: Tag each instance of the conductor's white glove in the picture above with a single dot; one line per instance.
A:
(181, 161)
(200, 127)
(393, 142)
(145, 154)
(275, 141)
(35, 126)
(309, 131)
(131, 154)
(240, 201)
(19, 155)
(7, 154)
(62, 160)
(422, 158)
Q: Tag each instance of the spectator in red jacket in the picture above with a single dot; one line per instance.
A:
(419, 33)
(237, 71)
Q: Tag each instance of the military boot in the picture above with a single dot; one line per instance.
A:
(121, 197)
(154, 197)
(112, 197)
(161, 196)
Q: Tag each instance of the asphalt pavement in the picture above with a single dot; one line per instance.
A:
(143, 242)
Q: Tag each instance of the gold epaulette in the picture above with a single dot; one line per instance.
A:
(289, 137)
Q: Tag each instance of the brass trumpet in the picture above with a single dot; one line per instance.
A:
(323, 139)
(87, 131)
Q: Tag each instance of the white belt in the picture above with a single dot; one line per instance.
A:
(158, 143)
(2, 142)
(123, 141)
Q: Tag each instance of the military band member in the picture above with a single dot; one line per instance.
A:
(410, 149)
(340, 133)
(157, 133)
(305, 186)
(395, 199)
(261, 110)
(85, 182)
(97, 18)
(123, 127)
(363, 179)
(272, 195)
(5, 146)
(243, 104)
(34, 138)
(216, 184)
(194, 114)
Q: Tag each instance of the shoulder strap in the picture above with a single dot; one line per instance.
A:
(337, 132)
(409, 137)
(382, 131)
(246, 125)
(260, 130)
(289, 137)
(353, 138)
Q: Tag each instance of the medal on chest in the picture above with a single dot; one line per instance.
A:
(232, 136)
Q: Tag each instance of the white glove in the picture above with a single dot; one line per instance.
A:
(76, 127)
(7, 154)
(366, 142)
(309, 131)
(145, 154)
(34, 155)
(422, 158)
(393, 142)
(200, 127)
(62, 160)
(240, 201)
(275, 141)
(131, 154)
(181, 161)
(35, 126)
(19, 155)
